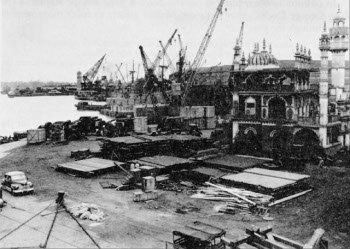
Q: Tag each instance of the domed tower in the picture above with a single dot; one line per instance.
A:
(79, 80)
(339, 44)
(324, 46)
(261, 59)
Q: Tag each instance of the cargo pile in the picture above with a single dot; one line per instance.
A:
(88, 211)
(129, 148)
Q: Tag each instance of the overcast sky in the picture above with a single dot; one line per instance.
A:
(53, 39)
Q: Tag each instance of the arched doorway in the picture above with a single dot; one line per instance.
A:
(307, 144)
(277, 108)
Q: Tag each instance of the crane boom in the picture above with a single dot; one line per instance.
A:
(240, 39)
(238, 47)
(145, 61)
(165, 54)
(201, 51)
(92, 72)
(159, 56)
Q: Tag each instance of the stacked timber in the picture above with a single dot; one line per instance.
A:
(126, 151)
(129, 148)
(186, 146)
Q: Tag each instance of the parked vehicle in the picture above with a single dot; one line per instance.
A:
(16, 182)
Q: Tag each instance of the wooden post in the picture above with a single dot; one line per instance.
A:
(315, 239)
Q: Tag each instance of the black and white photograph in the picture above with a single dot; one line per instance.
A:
(175, 124)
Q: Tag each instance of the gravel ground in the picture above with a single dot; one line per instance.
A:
(149, 225)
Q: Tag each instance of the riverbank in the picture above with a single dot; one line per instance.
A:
(150, 224)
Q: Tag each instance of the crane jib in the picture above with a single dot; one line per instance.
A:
(201, 51)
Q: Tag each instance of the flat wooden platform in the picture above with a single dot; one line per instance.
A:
(164, 163)
(234, 162)
(279, 174)
(272, 182)
(269, 182)
(89, 166)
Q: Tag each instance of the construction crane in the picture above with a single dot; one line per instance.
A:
(145, 62)
(181, 63)
(201, 51)
(90, 75)
(239, 43)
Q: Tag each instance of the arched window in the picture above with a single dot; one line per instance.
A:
(250, 106)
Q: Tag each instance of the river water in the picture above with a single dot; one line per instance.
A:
(24, 113)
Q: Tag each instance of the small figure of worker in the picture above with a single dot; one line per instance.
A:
(321, 163)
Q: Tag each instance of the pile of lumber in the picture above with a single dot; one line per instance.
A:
(125, 152)
(235, 199)
(133, 147)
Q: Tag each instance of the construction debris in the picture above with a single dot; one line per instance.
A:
(223, 193)
(145, 196)
(237, 200)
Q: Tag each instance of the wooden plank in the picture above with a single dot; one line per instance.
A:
(231, 192)
(76, 167)
(287, 241)
(100, 161)
(94, 165)
(288, 198)
(165, 161)
(279, 174)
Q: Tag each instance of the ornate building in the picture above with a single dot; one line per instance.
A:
(275, 106)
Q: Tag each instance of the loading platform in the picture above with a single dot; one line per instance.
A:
(89, 167)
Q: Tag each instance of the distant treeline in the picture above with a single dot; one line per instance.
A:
(7, 86)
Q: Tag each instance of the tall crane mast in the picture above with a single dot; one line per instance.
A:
(201, 51)
(92, 72)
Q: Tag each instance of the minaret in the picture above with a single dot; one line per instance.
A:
(324, 46)
(339, 44)
(297, 57)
